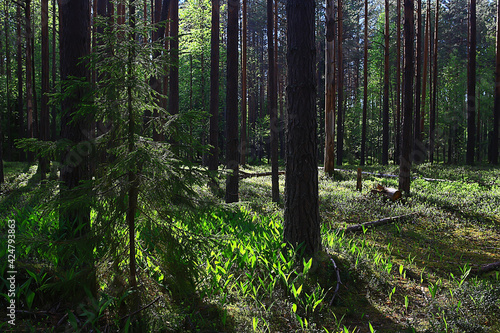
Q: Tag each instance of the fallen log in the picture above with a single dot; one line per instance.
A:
(378, 223)
(244, 175)
(488, 268)
(389, 192)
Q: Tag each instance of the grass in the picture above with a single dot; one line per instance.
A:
(412, 276)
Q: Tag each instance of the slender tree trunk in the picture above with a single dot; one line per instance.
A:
(273, 105)
(397, 148)
(243, 136)
(496, 110)
(471, 86)
(432, 113)
(213, 161)
(8, 79)
(44, 114)
(19, 74)
(426, 65)
(329, 163)
(365, 87)
(301, 215)
(385, 135)
(409, 71)
(55, 21)
(173, 99)
(30, 111)
(417, 141)
(340, 100)
(132, 174)
(232, 157)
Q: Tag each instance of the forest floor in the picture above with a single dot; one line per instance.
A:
(417, 274)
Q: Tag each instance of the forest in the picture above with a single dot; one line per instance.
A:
(250, 166)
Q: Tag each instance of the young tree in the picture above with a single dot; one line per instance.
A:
(243, 136)
(273, 103)
(432, 111)
(232, 157)
(405, 159)
(385, 135)
(340, 85)
(471, 85)
(496, 110)
(329, 163)
(213, 160)
(301, 215)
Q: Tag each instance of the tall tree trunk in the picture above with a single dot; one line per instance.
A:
(397, 148)
(426, 65)
(232, 157)
(44, 112)
(173, 99)
(30, 110)
(365, 87)
(385, 135)
(273, 103)
(243, 136)
(19, 74)
(496, 110)
(340, 81)
(329, 163)
(417, 140)
(471, 86)
(55, 22)
(213, 160)
(301, 215)
(409, 71)
(74, 219)
(433, 109)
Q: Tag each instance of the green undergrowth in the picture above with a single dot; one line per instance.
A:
(415, 275)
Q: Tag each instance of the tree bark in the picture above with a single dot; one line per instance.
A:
(496, 111)
(213, 160)
(301, 215)
(385, 135)
(471, 86)
(329, 163)
(433, 109)
(405, 161)
(340, 81)
(232, 157)
(273, 103)
(365, 88)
